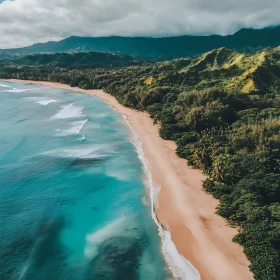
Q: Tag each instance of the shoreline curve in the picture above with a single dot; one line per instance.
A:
(200, 236)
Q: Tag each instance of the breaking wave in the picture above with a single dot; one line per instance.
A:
(4, 86)
(69, 112)
(86, 152)
(16, 90)
(75, 128)
(41, 100)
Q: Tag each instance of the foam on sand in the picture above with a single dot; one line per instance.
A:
(41, 100)
(75, 128)
(180, 267)
(69, 111)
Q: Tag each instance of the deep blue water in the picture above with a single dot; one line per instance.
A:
(72, 200)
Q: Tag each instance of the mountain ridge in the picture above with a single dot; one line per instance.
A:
(164, 48)
(76, 60)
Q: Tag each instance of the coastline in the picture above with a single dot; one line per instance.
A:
(201, 236)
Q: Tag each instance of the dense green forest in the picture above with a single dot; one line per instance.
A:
(223, 111)
(156, 49)
(77, 60)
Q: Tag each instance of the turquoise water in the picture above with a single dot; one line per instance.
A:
(72, 200)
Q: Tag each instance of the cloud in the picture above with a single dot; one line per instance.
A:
(24, 22)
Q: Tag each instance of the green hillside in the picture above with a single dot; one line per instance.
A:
(159, 49)
(223, 110)
(77, 60)
(256, 73)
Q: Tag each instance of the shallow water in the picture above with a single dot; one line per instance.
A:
(71, 191)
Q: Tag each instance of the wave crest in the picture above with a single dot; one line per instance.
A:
(41, 100)
(4, 86)
(75, 128)
(16, 90)
(69, 111)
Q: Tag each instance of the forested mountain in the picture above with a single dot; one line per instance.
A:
(4, 56)
(254, 74)
(223, 110)
(158, 48)
(77, 60)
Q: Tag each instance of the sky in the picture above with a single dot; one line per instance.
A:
(24, 22)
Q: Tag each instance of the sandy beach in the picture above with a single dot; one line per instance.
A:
(200, 235)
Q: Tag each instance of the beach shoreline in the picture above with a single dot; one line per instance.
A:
(200, 236)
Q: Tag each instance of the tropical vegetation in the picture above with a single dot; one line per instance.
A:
(223, 111)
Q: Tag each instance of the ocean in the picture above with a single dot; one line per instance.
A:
(73, 198)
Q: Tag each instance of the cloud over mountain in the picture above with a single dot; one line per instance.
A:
(23, 22)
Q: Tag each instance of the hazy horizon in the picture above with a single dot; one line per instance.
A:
(25, 22)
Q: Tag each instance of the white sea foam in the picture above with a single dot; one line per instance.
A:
(69, 111)
(85, 152)
(46, 101)
(119, 174)
(95, 125)
(82, 138)
(75, 128)
(17, 90)
(94, 239)
(101, 115)
(4, 86)
(178, 265)
(41, 100)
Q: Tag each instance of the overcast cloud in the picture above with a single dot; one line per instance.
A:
(24, 22)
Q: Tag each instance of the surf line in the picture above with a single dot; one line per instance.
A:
(180, 267)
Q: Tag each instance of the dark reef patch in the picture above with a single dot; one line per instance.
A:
(15, 252)
(85, 162)
(118, 259)
(48, 255)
